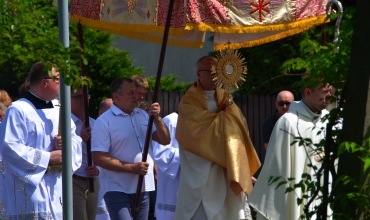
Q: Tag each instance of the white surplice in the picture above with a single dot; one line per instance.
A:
(26, 141)
(167, 159)
(287, 160)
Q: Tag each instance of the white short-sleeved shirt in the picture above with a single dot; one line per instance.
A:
(123, 136)
(79, 124)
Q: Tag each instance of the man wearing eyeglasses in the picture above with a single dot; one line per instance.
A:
(287, 158)
(85, 203)
(30, 145)
(282, 103)
(217, 157)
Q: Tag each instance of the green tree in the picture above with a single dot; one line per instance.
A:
(105, 64)
(264, 75)
(347, 70)
(29, 33)
(168, 83)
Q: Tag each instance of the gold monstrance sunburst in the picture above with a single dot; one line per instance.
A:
(229, 71)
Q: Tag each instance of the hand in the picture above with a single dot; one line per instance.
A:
(254, 180)
(155, 110)
(55, 157)
(92, 171)
(155, 171)
(140, 168)
(58, 142)
(85, 133)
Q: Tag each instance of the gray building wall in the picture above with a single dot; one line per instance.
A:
(178, 61)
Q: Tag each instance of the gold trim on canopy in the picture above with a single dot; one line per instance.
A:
(242, 23)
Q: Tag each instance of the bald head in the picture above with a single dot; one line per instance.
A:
(105, 105)
(283, 100)
(203, 71)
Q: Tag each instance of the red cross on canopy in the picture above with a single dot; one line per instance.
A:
(261, 6)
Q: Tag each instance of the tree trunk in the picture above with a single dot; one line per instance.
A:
(357, 111)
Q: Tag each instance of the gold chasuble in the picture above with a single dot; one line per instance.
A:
(220, 137)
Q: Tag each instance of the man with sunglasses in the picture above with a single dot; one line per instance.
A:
(287, 158)
(282, 103)
(30, 146)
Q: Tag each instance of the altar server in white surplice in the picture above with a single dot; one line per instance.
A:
(167, 159)
(29, 145)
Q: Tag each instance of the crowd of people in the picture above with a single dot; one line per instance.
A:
(201, 159)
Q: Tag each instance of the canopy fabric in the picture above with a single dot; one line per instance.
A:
(236, 23)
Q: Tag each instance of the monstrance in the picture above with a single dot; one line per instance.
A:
(229, 71)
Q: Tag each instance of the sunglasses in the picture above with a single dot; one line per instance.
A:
(281, 103)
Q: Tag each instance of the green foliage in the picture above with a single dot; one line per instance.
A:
(168, 83)
(327, 65)
(105, 64)
(264, 75)
(360, 197)
(323, 63)
(29, 34)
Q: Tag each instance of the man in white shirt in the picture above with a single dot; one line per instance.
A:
(167, 159)
(85, 203)
(30, 144)
(117, 145)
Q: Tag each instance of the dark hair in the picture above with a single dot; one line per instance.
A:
(24, 89)
(117, 85)
(37, 73)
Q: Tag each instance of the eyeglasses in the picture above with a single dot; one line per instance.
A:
(79, 96)
(54, 78)
(281, 103)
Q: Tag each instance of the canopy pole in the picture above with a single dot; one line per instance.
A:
(65, 111)
(155, 99)
(86, 106)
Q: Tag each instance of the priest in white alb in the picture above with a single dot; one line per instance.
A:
(287, 158)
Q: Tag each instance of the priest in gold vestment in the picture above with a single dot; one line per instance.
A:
(216, 154)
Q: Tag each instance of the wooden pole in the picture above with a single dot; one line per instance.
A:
(86, 106)
(155, 99)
